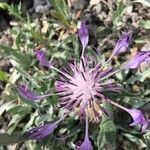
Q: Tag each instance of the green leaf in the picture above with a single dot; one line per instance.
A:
(38, 37)
(60, 17)
(31, 103)
(107, 135)
(61, 11)
(137, 141)
(20, 109)
(3, 76)
(30, 122)
(118, 14)
(21, 58)
(13, 10)
(122, 94)
(61, 7)
(140, 77)
(16, 137)
(143, 39)
(19, 112)
(145, 75)
(14, 122)
(6, 106)
(6, 49)
(145, 24)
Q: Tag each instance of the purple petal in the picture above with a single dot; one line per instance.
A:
(138, 118)
(86, 145)
(111, 87)
(122, 43)
(106, 72)
(26, 93)
(41, 132)
(83, 35)
(38, 133)
(41, 56)
(143, 56)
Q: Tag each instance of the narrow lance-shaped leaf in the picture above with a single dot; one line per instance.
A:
(15, 137)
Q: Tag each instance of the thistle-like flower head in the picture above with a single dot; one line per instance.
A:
(81, 86)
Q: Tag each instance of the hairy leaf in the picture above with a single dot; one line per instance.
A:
(107, 135)
(16, 137)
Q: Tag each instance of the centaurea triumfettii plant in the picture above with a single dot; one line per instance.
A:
(81, 88)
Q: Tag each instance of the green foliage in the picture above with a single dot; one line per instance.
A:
(142, 76)
(134, 142)
(16, 137)
(22, 59)
(61, 11)
(6, 106)
(3, 76)
(107, 135)
(142, 39)
(118, 15)
(61, 7)
(145, 24)
(13, 10)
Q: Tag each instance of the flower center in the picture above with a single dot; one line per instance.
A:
(79, 91)
(84, 85)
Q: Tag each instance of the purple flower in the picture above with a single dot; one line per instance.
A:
(137, 116)
(138, 119)
(143, 56)
(83, 35)
(26, 93)
(81, 88)
(38, 133)
(86, 145)
(122, 43)
(41, 132)
(41, 56)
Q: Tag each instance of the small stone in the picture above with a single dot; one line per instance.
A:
(41, 6)
(94, 2)
(97, 9)
(4, 40)
(79, 4)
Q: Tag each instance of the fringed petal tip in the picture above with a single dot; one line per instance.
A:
(138, 119)
(123, 43)
(83, 34)
(41, 57)
(137, 116)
